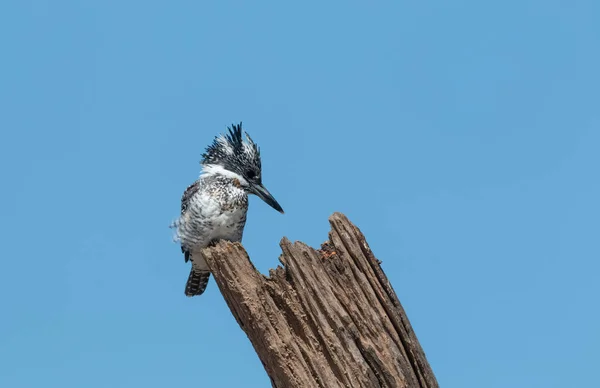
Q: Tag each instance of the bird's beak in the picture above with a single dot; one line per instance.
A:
(264, 194)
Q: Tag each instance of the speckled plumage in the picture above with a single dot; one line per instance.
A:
(215, 206)
(212, 208)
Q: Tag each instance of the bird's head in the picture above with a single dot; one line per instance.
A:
(236, 157)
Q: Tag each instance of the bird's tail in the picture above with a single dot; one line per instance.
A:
(197, 282)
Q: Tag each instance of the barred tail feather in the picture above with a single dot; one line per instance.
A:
(197, 282)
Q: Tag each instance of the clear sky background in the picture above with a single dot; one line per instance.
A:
(461, 137)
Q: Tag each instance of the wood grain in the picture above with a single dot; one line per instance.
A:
(325, 318)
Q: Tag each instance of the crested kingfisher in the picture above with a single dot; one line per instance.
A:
(214, 207)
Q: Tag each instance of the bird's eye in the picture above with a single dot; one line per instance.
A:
(250, 174)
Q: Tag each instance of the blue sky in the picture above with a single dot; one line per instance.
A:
(462, 137)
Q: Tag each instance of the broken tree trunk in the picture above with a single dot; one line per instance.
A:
(327, 318)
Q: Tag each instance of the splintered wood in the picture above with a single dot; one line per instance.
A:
(327, 318)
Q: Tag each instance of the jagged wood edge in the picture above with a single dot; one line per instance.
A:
(278, 285)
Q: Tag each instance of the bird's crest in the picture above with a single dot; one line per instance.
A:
(234, 152)
(231, 145)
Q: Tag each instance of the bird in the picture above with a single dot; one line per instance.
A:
(215, 206)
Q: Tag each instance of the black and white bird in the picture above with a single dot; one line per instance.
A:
(215, 206)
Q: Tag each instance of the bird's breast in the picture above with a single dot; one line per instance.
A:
(218, 218)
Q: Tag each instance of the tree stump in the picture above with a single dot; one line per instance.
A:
(327, 318)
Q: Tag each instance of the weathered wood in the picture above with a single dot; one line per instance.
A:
(327, 318)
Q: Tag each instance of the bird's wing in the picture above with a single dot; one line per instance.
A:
(188, 194)
(185, 201)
